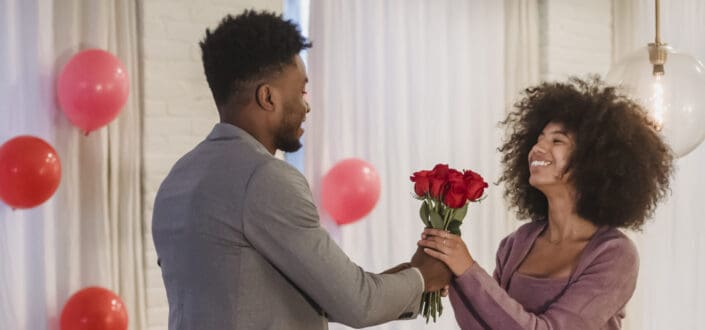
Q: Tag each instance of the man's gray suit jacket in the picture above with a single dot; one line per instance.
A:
(241, 247)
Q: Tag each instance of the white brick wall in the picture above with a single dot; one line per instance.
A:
(179, 111)
(576, 37)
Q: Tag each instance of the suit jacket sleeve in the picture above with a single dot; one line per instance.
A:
(603, 288)
(281, 222)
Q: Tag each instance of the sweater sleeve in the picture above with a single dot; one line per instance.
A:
(465, 314)
(601, 289)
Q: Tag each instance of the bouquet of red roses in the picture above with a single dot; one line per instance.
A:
(446, 194)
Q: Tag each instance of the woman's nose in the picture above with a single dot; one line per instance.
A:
(538, 148)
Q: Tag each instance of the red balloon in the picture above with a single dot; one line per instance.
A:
(350, 190)
(93, 87)
(94, 308)
(30, 172)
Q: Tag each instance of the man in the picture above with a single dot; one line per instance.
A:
(236, 229)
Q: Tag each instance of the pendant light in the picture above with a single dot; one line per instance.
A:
(670, 85)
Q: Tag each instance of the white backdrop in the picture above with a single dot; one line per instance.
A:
(415, 83)
(90, 232)
(407, 84)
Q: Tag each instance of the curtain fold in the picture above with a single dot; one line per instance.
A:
(522, 62)
(125, 165)
(90, 232)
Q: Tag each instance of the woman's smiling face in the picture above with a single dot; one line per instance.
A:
(549, 157)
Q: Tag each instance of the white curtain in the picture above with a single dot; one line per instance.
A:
(522, 55)
(522, 61)
(90, 232)
(671, 289)
(406, 84)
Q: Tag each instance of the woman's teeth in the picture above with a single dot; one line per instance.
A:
(540, 163)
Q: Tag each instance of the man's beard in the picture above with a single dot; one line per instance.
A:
(287, 139)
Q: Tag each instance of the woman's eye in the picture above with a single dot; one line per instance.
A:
(556, 141)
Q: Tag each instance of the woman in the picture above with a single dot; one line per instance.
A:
(581, 162)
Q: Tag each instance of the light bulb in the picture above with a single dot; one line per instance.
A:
(656, 101)
(674, 97)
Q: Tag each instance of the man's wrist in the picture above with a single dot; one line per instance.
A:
(423, 282)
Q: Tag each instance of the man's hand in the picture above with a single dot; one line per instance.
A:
(436, 274)
(397, 268)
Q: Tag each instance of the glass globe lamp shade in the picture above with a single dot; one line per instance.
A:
(673, 94)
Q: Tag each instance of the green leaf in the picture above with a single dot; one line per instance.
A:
(454, 227)
(423, 212)
(436, 220)
(460, 213)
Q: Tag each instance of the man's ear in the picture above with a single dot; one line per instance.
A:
(264, 97)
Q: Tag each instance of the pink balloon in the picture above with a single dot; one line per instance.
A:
(350, 190)
(93, 87)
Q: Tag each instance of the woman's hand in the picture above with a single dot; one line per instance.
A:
(448, 248)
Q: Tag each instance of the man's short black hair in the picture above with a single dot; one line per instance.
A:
(246, 48)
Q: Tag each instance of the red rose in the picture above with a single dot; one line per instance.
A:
(456, 197)
(439, 176)
(450, 190)
(475, 185)
(422, 182)
(455, 176)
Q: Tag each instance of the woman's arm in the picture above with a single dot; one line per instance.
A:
(598, 293)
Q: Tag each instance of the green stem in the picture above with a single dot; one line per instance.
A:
(448, 216)
(437, 206)
(433, 306)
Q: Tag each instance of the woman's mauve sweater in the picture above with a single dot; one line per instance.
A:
(593, 297)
